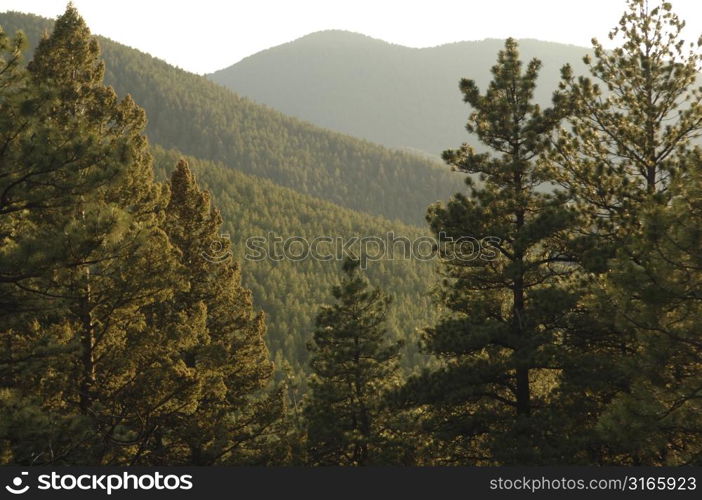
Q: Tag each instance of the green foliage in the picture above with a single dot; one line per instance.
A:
(200, 118)
(632, 121)
(80, 355)
(129, 335)
(499, 342)
(225, 358)
(124, 350)
(191, 115)
(290, 291)
(624, 158)
(353, 365)
(658, 419)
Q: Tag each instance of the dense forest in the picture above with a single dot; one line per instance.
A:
(290, 291)
(136, 329)
(255, 206)
(199, 118)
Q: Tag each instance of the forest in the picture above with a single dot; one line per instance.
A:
(191, 114)
(573, 340)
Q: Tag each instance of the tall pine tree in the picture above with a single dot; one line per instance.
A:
(353, 366)
(232, 416)
(657, 418)
(625, 149)
(499, 340)
(91, 374)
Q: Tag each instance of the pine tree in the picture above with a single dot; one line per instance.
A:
(632, 122)
(499, 341)
(14, 124)
(91, 375)
(627, 145)
(231, 416)
(657, 418)
(353, 365)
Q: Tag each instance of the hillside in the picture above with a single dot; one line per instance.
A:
(290, 291)
(393, 95)
(245, 288)
(200, 118)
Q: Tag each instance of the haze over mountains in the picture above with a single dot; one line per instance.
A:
(397, 96)
(232, 285)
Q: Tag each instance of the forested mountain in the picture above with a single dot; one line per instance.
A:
(187, 112)
(144, 283)
(394, 95)
(290, 291)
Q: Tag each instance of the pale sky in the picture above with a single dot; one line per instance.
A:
(206, 35)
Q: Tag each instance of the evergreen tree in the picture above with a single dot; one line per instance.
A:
(632, 122)
(89, 375)
(14, 125)
(231, 416)
(657, 418)
(499, 341)
(626, 147)
(191, 114)
(353, 365)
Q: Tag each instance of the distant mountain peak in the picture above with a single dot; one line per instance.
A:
(336, 37)
(398, 96)
(335, 33)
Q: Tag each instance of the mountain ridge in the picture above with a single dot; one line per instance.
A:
(356, 35)
(253, 205)
(208, 121)
(402, 97)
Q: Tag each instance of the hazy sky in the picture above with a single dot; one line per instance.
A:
(206, 35)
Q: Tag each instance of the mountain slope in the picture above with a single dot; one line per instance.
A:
(393, 95)
(200, 118)
(290, 291)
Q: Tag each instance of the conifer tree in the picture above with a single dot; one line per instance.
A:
(92, 375)
(231, 416)
(353, 366)
(625, 149)
(499, 340)
(13, 125)
(632, 122)
(657, 418)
